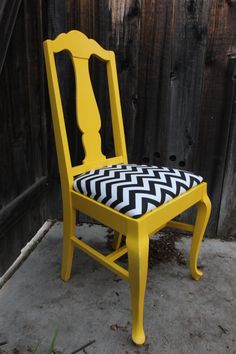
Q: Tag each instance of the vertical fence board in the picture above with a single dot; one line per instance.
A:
(8, 14)
(125, 30)
(189, 38)
(214, 125)
(153, 76)
(227, 217)
(16, 135)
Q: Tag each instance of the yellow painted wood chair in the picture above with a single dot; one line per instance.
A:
(135, 201)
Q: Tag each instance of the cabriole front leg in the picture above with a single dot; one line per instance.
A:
(138, 246)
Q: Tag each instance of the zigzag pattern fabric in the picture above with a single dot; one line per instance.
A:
(135, 189)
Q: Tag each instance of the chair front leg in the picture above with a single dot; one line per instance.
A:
(69, 221)
(203, 214)
(138, 247)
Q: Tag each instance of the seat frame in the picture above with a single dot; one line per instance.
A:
(137, 231)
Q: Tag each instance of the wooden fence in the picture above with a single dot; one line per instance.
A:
(177, 72)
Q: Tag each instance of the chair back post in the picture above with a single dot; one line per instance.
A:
(62, 147)
(116, 113)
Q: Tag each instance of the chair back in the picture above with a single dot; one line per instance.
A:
(80, 49)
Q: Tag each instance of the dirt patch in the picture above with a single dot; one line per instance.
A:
(162, 248)
(227, 238)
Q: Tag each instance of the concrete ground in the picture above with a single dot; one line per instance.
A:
(182, 316)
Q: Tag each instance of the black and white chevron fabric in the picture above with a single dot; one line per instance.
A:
(134, 189)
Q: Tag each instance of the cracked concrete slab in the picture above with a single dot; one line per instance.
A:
(182, 316)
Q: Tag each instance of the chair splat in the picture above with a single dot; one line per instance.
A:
(87, 112)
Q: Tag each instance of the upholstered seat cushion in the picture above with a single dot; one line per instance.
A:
(135, 189)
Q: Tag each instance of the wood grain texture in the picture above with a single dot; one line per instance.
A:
(214, 124)
(8, 14)
(23, 130)
(20, 144)
(154, 64)
(125, 40)
(227, 215)
(171, 81)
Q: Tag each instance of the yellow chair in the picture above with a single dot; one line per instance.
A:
(135, 201)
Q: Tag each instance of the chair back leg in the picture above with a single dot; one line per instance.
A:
(69, 221)
(117, 240)
(203, 214)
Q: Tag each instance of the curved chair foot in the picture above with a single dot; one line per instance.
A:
(196, 274)
(138, 247)
(203, 214)
(138, 338)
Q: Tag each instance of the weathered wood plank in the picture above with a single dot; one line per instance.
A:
(189, 39)
(214, 125)
(35, 87)
(124, 40)
(14, 127)
(24, 192)
(154, 68)
(8, 14)
(227, 215)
